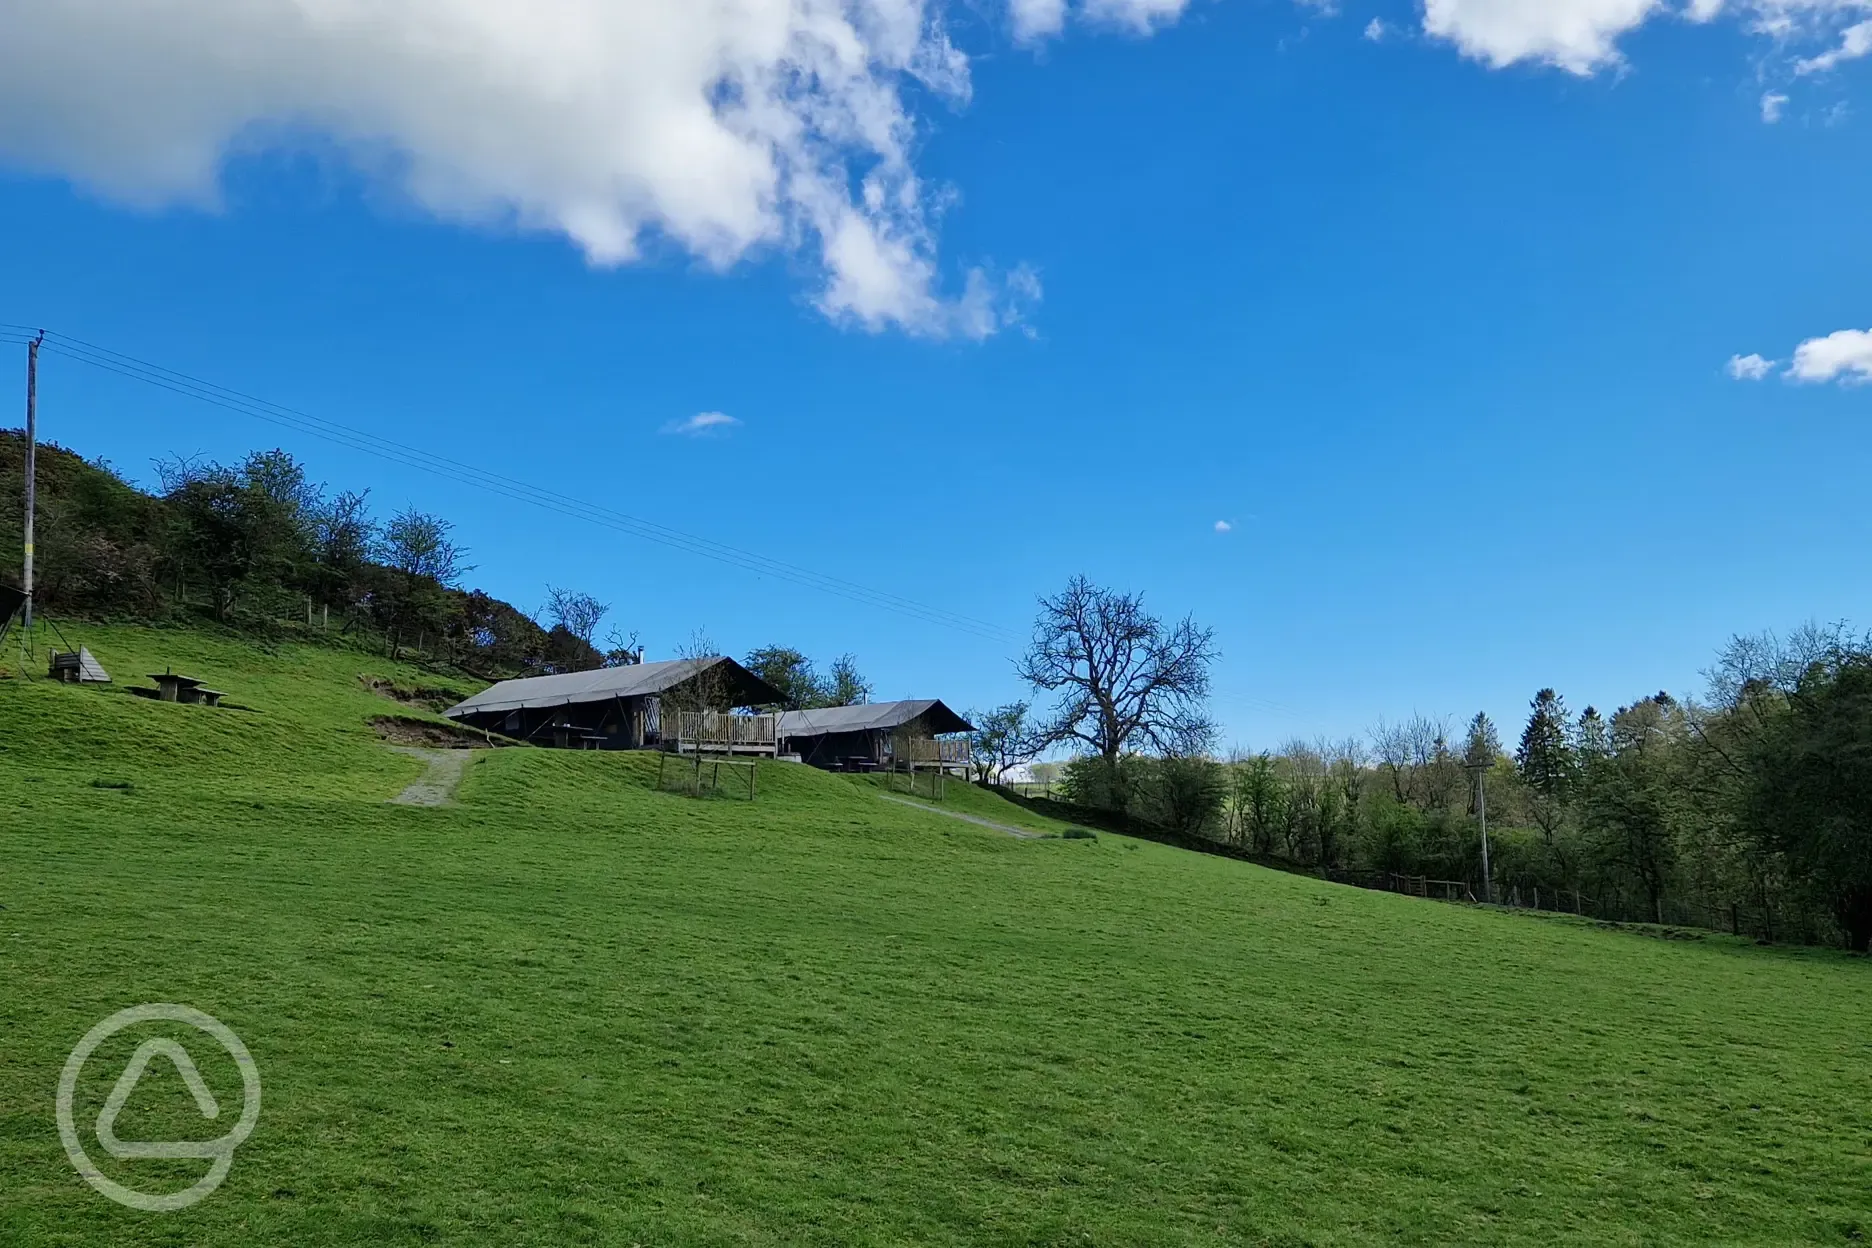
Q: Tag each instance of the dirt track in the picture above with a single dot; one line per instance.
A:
(437, 786)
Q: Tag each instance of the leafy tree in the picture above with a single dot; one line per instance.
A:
(1631, 798)
(1545, 760)
(1592, 739)
(418, 545)
(1810, 796)
(344, 537)
(789, 671)
(422, 562)
(1483, 745)
(1254, 796)
(566, 651)
(1189, 791)
(1003, 738)
(1547, 764)
(238, 528)
(484, 630)
(1044, 773)
(845, 686)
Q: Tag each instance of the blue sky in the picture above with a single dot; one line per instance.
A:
(1449, 317)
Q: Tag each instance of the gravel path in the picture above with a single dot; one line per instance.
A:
(1025, 834)
(446, 768)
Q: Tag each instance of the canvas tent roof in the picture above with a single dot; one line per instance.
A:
(871, 715)
(636, 680)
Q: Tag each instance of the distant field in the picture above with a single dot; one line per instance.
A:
(571, 1010)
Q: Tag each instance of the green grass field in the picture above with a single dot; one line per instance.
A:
(572, 1010)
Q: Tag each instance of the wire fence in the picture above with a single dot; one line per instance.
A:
(1612, 906)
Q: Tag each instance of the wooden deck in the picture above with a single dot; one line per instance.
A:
(719, 732)
(931, 751)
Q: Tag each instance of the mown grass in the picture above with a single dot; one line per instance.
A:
(570, 1009)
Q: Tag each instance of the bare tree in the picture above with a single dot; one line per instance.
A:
(577, 613)
(1307, 782)
(707, 690)
(1349, 761)
(1392, 745)
(1125, 677)
(622, 649)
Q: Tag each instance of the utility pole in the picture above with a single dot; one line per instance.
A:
(32, 466)
(1480, 772)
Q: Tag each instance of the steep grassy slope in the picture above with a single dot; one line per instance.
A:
(571, 1009)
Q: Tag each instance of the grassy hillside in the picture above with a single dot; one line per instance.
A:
(570, 1009)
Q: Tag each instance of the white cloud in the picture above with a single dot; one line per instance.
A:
(1749, 367)
(1844, 356)
(1855, 42)
(1575, 35)
(1375, 30)
(1223, 526)
(1773, 104)
(724, 129)
(1142, 16)
(1038, 19)
(702, 423)
(1034, 19)
(1582, 36)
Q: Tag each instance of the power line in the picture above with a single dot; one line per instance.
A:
(183, 384)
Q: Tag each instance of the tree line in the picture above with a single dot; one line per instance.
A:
(256, 542)
(1749, 807)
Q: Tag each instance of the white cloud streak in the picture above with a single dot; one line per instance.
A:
(1773, 105)
(1582, 36)
(702, 423)
(1855, 42)
(724, 129)
(1749, 367)
(1375, 30)
(1223, 526)
(1042, 19)
(1844, 356)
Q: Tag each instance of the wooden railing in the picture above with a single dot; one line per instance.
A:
(720, 730)
(950, 751)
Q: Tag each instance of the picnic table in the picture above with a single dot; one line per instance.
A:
(174, 687)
